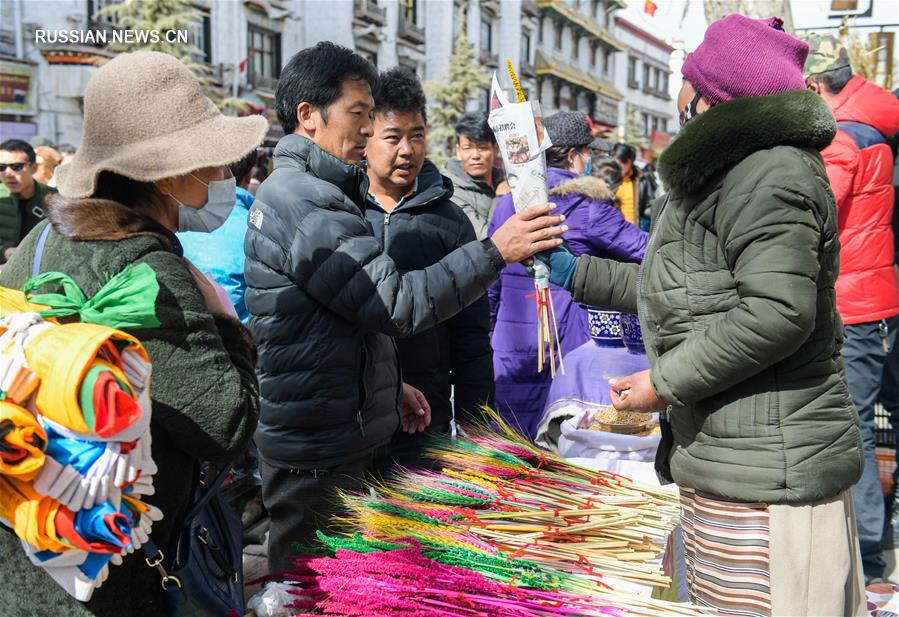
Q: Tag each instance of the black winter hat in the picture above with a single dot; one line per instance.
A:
(568, 129)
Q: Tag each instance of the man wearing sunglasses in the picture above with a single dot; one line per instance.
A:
(24, 207)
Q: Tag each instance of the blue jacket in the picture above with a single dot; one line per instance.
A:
(220, 253)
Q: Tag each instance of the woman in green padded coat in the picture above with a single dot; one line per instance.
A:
(737, 306)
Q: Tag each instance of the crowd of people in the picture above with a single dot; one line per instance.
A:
(361, 299)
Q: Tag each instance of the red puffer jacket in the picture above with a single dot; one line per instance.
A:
(860, 166)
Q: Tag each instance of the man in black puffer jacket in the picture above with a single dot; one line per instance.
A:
(325, 300)
(411, 213)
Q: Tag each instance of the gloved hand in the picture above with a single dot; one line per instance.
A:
(561, 264)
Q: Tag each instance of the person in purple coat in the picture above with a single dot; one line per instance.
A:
(595, 227)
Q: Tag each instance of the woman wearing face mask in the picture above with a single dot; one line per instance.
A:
(738, 312)
(595, 227)
(153, 161)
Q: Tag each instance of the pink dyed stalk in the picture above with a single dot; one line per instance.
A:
(405, 583)
(491, 441)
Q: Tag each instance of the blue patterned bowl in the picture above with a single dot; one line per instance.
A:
(630, 330)
(605, 327)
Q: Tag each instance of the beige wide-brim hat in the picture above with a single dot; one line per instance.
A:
(146, 118)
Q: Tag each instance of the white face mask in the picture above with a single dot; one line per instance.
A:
(219, 203)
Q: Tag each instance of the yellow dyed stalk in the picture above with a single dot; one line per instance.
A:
(518, 91)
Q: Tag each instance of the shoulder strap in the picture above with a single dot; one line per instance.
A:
(39, 250)
(210, 491)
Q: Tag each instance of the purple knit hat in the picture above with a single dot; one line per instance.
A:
(741, 57)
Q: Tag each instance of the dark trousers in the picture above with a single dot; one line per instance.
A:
(408, 450)
(871, 374)
(302, 501)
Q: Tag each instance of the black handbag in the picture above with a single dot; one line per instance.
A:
(202, 572)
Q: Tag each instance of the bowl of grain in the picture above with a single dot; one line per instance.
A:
(611, 420)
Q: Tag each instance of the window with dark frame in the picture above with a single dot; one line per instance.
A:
(606, 61)
(575, 46)
(94, 7)
(526, 46)
(409, 11)
(632, 72)
(557, 34)
(266, 47)
(486, 33)
(201, 36)
(646, 80)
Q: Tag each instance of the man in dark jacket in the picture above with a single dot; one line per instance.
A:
(410, 210)
(23, 208)
(860, 168)
(475, 178)
(325, 300)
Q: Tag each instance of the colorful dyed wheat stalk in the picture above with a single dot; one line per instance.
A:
(545, 538)
(517, 514)
(399, 580)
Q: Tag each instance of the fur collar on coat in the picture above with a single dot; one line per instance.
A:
(721, 137)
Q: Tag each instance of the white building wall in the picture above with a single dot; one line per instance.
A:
(509, 34)
(58, 87)
(388, 56)
(473, 24)
(546, 96)
(644, 102)
(438, 23)
(326, 20)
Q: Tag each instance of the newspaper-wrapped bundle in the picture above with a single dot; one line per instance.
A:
(522, 143)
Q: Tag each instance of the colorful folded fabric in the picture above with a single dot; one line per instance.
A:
(101, 529)
(17, 381)
(80, 572)
(107, 400)
(81, 474)
(46, 525)
(75, 441)
(63, 357)
(31, 515)
(22, 442)
(68, 473)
